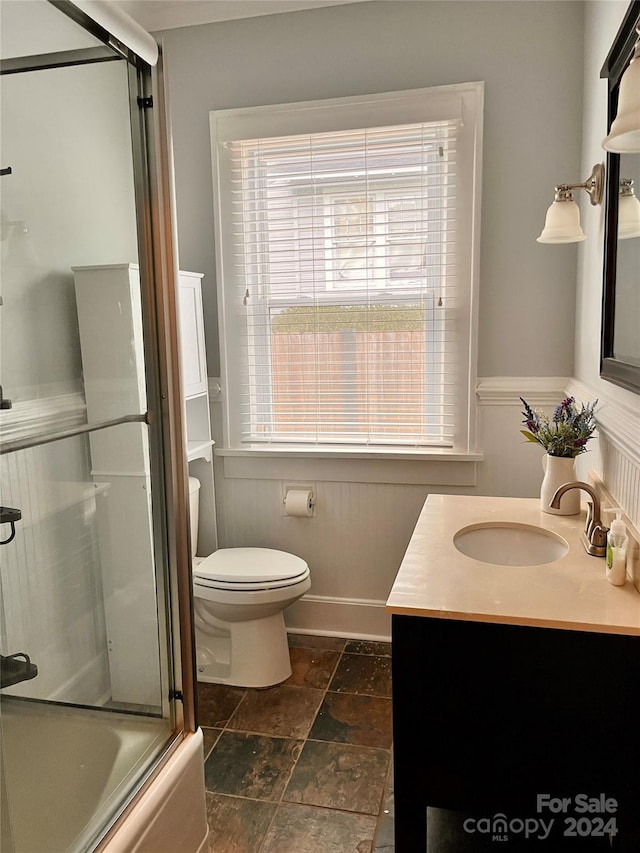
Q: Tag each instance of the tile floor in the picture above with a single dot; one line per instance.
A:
(305, 766)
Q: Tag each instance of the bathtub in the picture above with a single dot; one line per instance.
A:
(66, 772)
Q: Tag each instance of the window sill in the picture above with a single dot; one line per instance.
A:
(402, 466)
(346, 452)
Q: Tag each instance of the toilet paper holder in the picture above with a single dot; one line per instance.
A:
(306, 510)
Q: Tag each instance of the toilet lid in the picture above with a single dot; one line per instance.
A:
(249, 566)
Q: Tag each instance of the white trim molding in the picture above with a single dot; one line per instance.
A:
(405, 468)
(506, 390)
(400, 116)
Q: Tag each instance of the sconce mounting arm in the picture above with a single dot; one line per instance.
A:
(594, 185)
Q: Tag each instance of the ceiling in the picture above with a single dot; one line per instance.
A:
(168, 14)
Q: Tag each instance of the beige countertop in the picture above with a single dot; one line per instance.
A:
(436, 580)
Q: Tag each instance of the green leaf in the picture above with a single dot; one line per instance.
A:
(529, 436)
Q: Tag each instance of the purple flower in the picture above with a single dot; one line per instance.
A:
(565, 434)
(565, 411)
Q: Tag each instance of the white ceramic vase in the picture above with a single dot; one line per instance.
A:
(559, 470)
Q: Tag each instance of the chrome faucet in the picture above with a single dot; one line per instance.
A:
(594, 537)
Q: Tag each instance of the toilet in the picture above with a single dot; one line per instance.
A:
(239, 598)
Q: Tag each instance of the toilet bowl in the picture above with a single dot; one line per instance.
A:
(239, 598)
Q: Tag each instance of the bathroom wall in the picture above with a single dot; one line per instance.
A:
(618, 458)
(366, 508)
(530, 55)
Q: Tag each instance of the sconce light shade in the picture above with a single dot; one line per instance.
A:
(628, 211)
(624, 134)
(562, 223)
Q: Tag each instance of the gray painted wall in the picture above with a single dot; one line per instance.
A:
(530, 55)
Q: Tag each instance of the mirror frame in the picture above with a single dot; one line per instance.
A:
(611, 368)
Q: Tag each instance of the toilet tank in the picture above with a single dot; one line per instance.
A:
(194, 512)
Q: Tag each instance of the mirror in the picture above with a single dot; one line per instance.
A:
(620, 350)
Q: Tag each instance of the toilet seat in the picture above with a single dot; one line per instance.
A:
(249, 569)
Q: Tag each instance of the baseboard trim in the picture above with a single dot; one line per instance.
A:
(329, 616)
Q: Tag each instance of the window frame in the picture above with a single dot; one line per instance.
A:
(462, 101)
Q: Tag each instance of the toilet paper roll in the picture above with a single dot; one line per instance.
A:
(298, 503)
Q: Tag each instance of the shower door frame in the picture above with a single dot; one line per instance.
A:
(154, 203)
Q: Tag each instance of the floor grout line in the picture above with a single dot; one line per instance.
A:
(294, 765)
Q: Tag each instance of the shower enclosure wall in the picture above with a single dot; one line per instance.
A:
(96, 665)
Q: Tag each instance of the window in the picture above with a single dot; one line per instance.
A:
(346, 240)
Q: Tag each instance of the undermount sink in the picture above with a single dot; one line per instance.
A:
(510, 544)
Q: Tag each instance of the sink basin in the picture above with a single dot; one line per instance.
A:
(507, 544)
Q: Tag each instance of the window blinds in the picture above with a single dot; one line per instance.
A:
(341, 283)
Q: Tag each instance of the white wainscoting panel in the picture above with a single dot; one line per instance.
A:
(354, 544)
(618, 449)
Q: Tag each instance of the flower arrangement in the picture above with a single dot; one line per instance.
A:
(566, 434)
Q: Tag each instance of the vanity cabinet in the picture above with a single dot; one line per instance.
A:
(487, 717)
(512, 683)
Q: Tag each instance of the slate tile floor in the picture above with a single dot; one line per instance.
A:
(305, 766)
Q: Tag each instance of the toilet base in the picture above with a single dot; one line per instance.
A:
(245, 654)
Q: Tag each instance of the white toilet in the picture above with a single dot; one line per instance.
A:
(239, 598)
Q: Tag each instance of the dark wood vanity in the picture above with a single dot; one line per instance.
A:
(516, 691)
(488, 717)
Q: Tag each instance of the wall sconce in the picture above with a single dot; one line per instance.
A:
(628, 211)
(562, 223)
(624, 134)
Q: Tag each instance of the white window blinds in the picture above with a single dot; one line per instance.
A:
(344, 273)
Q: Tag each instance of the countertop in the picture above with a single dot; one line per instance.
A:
(436, 580)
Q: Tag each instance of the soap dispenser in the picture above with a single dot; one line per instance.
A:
(617, 541)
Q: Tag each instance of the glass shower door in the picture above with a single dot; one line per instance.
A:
(87, 698)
